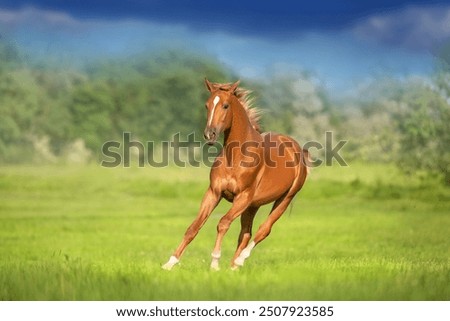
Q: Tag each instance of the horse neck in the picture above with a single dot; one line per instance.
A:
(241, 129)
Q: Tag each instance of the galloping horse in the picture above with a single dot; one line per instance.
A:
(251, 170)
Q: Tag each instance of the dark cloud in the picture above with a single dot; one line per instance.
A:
(260, 18)
(415, 28)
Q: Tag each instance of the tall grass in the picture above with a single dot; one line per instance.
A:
(363, 232)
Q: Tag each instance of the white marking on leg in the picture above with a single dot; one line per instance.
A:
(215, 101)
(169, 265)
(215, 261)
(244, 254)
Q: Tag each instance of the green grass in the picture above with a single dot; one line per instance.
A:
(90, 233)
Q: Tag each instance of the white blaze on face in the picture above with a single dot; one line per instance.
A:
(215, 101)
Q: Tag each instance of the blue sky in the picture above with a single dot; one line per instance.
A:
(342, 43)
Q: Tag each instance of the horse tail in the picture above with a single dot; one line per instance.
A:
(304, 167)
(306, 160)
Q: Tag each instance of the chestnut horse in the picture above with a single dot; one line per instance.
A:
(251, 170)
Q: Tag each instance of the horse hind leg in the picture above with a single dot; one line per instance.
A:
(278, 209)
(264, 230)
(246, 232)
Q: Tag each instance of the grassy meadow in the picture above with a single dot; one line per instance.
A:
(363, 232)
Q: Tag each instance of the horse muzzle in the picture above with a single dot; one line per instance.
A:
(210, 135)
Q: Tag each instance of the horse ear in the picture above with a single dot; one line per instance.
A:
(234, 86)
(208, 85)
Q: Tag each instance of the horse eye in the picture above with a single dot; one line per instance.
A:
(225, 106)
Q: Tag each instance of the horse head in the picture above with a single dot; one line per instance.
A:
(219, 109)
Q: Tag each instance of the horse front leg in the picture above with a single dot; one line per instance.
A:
(209, 203)
(240, 204)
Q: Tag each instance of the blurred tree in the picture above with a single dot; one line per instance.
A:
(20, 98)
(155, 97)
(424, 124)
(46, 109)
(296, 105)
(369, 126)
(53, 118)
(91, 108)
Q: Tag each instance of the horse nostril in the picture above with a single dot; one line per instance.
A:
(209, 134)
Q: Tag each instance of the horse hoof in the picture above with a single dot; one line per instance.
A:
(239, 261)
(215, 265)
(234, 268)
(169, 265)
